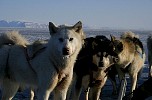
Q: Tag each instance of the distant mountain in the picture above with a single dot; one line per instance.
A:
(4, 23)
(35, 25)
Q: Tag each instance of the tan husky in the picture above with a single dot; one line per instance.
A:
(131, 56)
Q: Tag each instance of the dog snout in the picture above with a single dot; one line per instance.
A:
(66, 51)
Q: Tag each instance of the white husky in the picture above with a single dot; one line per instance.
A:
(49, 69)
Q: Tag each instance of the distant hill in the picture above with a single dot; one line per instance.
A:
(4, 23)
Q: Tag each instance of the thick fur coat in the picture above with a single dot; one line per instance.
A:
(49, 70)
(131, 57)
(91, 68)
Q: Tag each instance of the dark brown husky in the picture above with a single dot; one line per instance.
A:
(131, 56)
(92, 65)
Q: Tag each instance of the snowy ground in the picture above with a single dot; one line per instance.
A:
(106, 92)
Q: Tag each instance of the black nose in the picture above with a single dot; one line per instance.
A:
(66, 51)
(101, 64)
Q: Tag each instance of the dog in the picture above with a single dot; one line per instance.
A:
(149, 47)
(131, 56)
(50, 69)
(90, 70)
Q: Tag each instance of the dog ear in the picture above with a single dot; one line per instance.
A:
(52, 28)
(94, 44)
(112, 38)
(78, 26)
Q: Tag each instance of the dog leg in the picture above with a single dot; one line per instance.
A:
(122, 81)
(77, 93)
(77, 89)
(46, 87)
(60, 91)
(121, 75)
(150, 63)
(60, 94)
(31, 94)
(113, 81)
(150, 70)
(68, 97)
(43, 94)
(9, 89)
(133, 81)
(94, 93)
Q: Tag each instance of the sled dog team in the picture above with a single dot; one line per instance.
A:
(69, 64)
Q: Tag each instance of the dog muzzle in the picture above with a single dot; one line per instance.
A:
(66, 51)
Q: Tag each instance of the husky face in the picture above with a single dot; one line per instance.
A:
(117, 45)
(102, 60)
(67, 39)
(67, 42)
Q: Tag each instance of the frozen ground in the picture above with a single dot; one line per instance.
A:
(106, 92)
(34, 34)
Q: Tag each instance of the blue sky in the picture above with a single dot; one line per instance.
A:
(128, 14)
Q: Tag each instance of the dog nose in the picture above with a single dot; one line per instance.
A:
(66, 51)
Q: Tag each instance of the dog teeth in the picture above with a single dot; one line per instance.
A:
(66, 57)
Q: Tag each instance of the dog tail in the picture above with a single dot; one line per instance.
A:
(129, 34)
(13, 38)
(135, 39)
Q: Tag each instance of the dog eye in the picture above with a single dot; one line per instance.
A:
(70, 39)
(61, 39)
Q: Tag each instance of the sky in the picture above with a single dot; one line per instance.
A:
(125, 14)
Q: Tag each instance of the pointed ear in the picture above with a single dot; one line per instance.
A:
(94, 44)
(78, 26)
(52, 28)
(112, 38)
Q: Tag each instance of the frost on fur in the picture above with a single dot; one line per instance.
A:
(13, 38)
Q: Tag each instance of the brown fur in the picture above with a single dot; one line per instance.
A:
(131, 57)
(91, 68)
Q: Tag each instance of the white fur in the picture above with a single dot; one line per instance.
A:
(49, 70)
(13, 37)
